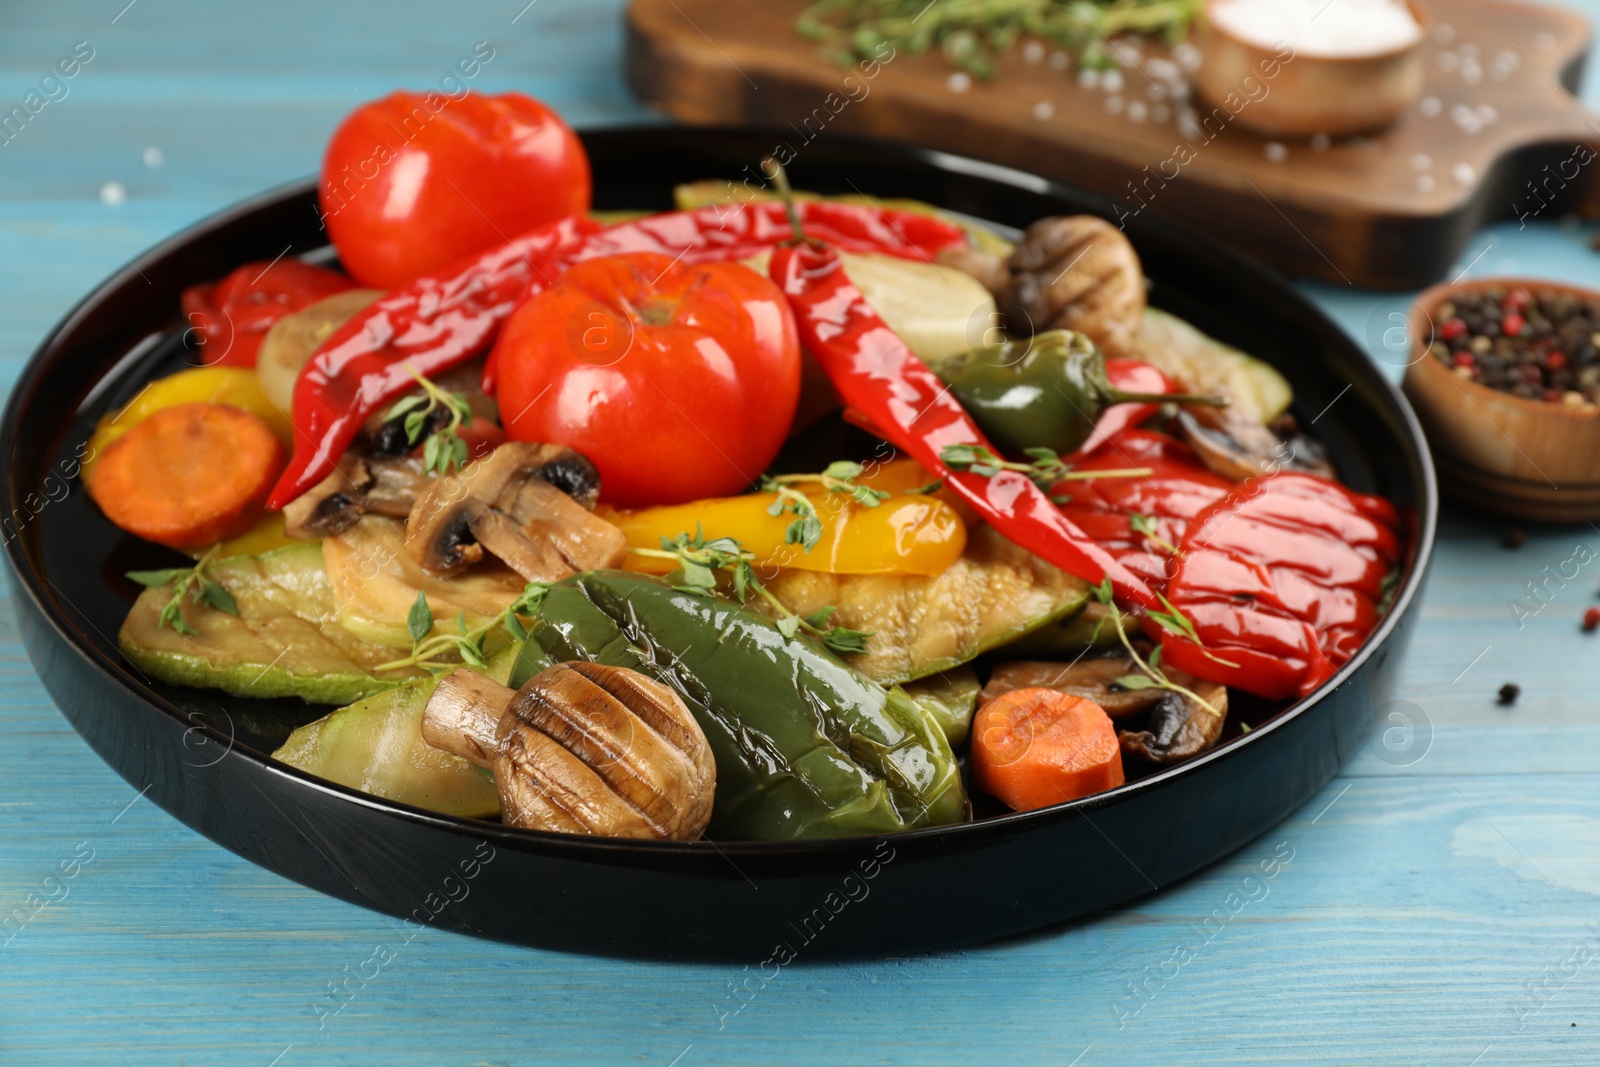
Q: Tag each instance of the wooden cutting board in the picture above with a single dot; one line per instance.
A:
(1495, 133)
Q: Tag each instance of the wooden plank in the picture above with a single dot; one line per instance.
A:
(1391, 209)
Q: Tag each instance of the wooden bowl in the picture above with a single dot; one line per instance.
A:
(1305, 95)
(1526, 459)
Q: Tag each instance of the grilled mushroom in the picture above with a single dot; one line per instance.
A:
(382, 485)
(1079, 273)
(1175, 728)
(1236, 446)
(581, 748)
(527, 504)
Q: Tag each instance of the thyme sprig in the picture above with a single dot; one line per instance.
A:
(1144, 524)
(699, 561)
(187, 581)
(444, 451)
(972, 33)
(1150, 674)
(467, 645)
(1046, 469)
(838, 477)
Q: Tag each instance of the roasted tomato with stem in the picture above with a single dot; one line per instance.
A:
(417, 181)
(679, 382)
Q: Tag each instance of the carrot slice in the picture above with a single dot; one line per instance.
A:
(189, 475)
(1036, 747)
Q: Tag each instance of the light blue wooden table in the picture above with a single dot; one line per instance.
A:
(1438, 905)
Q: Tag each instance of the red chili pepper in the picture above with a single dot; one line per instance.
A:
(1282, 580)
(426, 326)
(232, 316)
(441, 320)
(879, 376)
(1178, 490)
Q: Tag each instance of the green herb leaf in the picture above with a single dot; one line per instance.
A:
(819, 618)
(789, 625)
(215, 595)
(419, 620)
(931, 487)
(843, 470)
(845, 642)
(1142, 524)
(1135, 681)
(155, 578)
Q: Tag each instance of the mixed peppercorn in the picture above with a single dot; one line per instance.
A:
(1538, 344)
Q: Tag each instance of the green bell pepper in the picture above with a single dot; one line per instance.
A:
(1047, 391)
(805, 746)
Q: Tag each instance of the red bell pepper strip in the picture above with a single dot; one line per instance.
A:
(1282, 579)
(1178, 490)
(879, 376)
(441, 320)
(232, 316)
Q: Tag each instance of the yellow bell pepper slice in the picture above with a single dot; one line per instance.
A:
(906, 534)
(235, 386)
(264, 536)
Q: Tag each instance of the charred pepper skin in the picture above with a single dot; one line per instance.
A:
(443, 319)
(879, 376)
(805, 746)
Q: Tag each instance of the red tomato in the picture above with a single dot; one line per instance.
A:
(231, 317)
(679, 382)
(417, 181)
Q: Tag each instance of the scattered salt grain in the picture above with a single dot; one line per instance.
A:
(1114, 104)
(1320, 142)
(113, 193)
(1111, 81)
(1044, 110)
(1059, 61)
(1421, 161)
(1138, 111)
(153, 158)
(1430, 106)
(1186, 56)
(1425, 183)
(1033, 53)
(1463, 173)
(959, 82)
(1089, 79)
(1275, 152)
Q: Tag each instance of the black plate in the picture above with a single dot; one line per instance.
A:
(204, 757)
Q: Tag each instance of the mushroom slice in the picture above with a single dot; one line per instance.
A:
(1236, 446)
(380, 485)
(581, 748)
(1075, 272)
(523, 503)
(1176, 726)
(1091, 679)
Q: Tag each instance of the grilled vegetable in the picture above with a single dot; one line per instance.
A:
(906, 534)
(805, 746)
(286, 639)
(1036, 747)
(376, 745)
(581, 748)
(1200, 364)
(1055, 391)
(995, 593)
(949, 698)
(188, 476)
